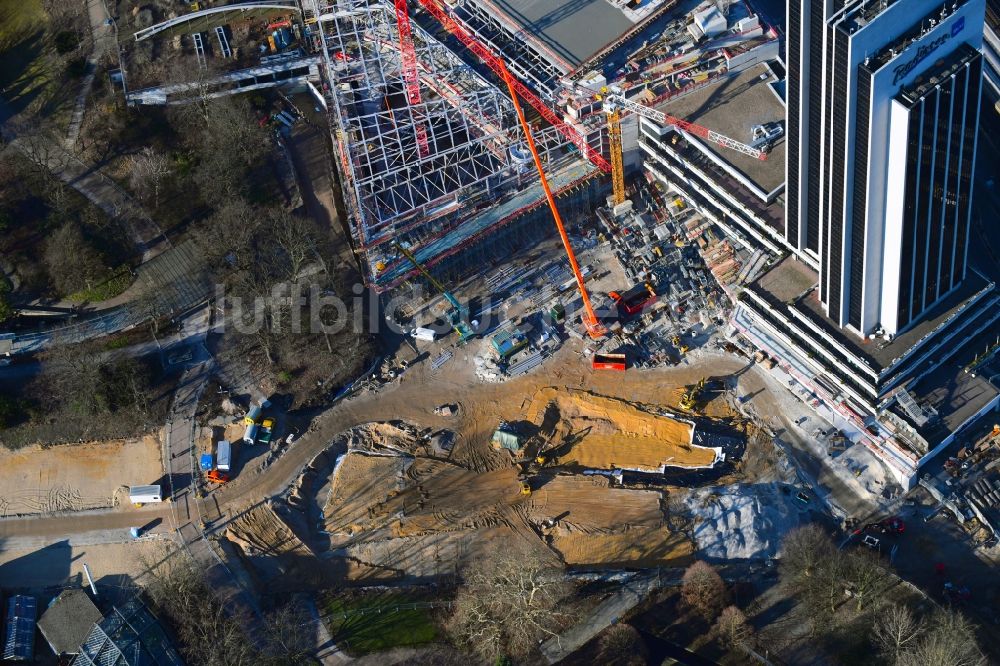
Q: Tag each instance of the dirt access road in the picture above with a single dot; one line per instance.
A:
(414, 397)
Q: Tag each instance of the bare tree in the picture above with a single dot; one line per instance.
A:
(295, 236)
(509, 601)
(148, 171)
(895, 631)
(804, 552)
(703, 590)
(733, 629)
(72, 261)
(71, 377)
(212, 634)
(950, 640)
(865, 577)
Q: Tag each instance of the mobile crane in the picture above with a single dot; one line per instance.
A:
(594, 327)
(458, 314)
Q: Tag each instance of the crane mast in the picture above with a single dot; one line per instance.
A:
(615, 148)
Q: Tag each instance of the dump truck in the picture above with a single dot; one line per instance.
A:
(223, 456)
(139, 495)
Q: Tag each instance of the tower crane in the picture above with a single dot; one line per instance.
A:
(615, 102)
(594, 327)
(411, 77)
(458, 314)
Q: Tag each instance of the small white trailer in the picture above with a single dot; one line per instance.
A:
(140, 495)
(424, 334)
(223, 455)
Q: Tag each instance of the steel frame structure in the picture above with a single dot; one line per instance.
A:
(520, 55)
(394, 191)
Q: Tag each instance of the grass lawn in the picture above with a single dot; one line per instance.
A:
(27, 61)
(365, 630)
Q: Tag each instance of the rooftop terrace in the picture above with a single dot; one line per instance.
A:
(785, 284)
(732, 107)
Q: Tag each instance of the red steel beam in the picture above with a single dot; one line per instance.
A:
(411, 77)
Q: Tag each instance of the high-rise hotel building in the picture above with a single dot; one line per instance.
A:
(883, 111)
(878, 297)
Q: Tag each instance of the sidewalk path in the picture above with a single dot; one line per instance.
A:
(103, 35)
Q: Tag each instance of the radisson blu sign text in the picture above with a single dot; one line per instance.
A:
(925, 50)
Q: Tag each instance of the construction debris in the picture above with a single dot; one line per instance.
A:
(743, 521)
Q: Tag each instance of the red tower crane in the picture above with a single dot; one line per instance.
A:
(411, 77)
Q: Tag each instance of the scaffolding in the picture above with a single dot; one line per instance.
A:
(434, 201)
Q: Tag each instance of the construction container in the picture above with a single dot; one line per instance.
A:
(223, 455)
(422, 333)
(609, 362)
(144, 494)
(508, 343)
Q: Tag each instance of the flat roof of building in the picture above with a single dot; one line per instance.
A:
(68, 620)
(732, 107)
(881, 353)
(790, 278)
(956, 395)
(571, 30)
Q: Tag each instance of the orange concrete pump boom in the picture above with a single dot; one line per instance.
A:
(594, 327)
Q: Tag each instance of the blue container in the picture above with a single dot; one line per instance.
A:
(206, 462)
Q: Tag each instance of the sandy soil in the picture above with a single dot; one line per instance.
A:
(451, 509)
(359, 475)
(608, 433)
(62, 564)
(590, 504)
(596, 525)
(637, 547)
(76, 477)
(400, 515)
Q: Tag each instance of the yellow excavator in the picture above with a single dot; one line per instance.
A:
(690, 398)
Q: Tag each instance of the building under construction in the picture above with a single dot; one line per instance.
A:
(437, 170)
(429, 149)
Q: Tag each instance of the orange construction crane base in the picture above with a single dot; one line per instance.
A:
(594, 327)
